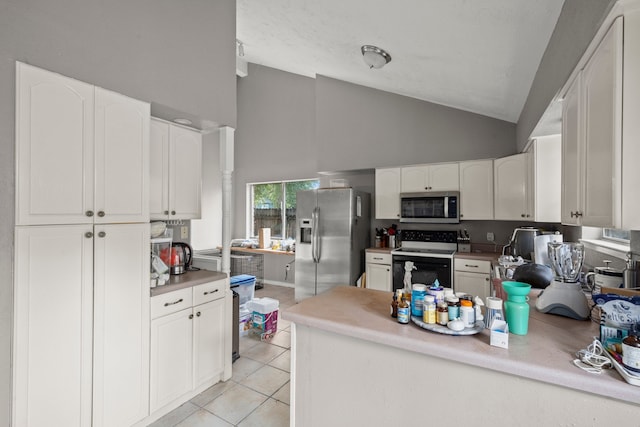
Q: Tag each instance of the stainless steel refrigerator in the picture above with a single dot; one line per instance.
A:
(333, 231)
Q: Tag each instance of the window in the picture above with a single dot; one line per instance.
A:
(273, 205)
(617, 235)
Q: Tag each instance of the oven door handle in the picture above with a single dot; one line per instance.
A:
(315, 235)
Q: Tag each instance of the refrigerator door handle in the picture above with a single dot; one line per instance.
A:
(315, 235)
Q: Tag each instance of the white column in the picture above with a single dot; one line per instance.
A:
(226, 167)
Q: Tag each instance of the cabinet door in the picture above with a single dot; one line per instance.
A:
(510, 185)
(415, 179)
(388, 193)
(52, 346)
(54, 148)
(121, 324)
(121, 158)
(546, 162)
(472, 283)
(444, 177)
(171, 358)
(209, 329)
(185, 173)
(159, 170)
(602, 97)
(571, 136)
(379, 277)
(476, 189)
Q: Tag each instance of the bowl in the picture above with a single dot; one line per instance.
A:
(157, 229)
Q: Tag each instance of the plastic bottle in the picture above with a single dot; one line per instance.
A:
(417, 299)
(442, 315)
(467, 313)
(453, 306)
(404, 311)
(429, 313)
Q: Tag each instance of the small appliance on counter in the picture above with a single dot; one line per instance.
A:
(604, 277)
(564, 295)
(180, 261)
(540, 250)
(522, 243)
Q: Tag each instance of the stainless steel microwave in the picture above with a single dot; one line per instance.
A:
(431, 207)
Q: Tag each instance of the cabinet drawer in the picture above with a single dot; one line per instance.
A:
(209, 291)
(378, 258)
(472, 265)
(171, 302)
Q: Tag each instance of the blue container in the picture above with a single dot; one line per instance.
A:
(418, 292)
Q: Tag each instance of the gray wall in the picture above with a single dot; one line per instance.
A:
(175, 54)
(275, 136)
(578, 22)
(358, 127)
(293, 127)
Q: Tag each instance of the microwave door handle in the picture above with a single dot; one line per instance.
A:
(446, 206)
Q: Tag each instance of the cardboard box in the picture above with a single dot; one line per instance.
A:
(627, 292)
(499, 334)
(264, 238)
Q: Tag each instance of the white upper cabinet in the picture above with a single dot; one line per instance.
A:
(476, 190)
(435, 177)
(121, 158)
(82, 152)
(592, 142)
(544, 178)
(511, 186)
(388, 193)
(54, 148)
(571, 172)
(176, 172)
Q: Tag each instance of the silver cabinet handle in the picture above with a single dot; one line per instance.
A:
(89, 213)
(167, 304)
(173, 212)
(88, 234)
(101, 214)
(377, 258)
(166, 212)
(211, 292)
(471, 265)
(522, 215)
(191, 316)
(198, 314)
(102, 234)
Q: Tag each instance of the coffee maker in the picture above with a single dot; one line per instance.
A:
(181, 257)
(522, 243)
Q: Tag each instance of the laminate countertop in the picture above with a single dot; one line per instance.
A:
(545, 354)
(187, 280)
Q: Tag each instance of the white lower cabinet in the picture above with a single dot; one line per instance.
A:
(189, 344)
(81, 339)
(378, 271)
(472, 277)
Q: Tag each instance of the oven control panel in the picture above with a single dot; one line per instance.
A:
(436, 236)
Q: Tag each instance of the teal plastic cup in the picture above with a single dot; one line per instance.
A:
(516, 306)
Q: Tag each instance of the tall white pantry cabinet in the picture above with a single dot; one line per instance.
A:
(81, 296)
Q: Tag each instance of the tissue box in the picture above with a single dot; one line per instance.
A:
(499, 334)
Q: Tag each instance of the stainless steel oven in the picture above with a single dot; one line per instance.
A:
(431, 253)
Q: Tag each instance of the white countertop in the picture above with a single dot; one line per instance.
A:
(544, 354)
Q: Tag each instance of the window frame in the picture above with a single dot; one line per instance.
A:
(283, 216)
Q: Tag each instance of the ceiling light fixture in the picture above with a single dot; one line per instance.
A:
(375, 57)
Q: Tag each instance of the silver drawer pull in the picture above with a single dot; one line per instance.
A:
(167, 304)
(377, 259)
(471, 265)
(211, 292)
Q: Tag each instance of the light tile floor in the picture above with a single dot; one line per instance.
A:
(258, 392)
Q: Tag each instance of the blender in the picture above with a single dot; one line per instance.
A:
(564, 295)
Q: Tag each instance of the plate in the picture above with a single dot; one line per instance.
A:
(435, 327)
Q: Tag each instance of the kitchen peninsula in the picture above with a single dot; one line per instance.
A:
(352, 364)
